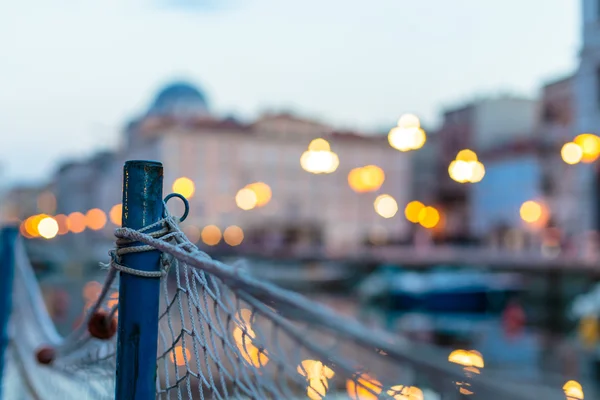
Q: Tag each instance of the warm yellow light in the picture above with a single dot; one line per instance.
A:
(460, 171)
(419, 139)
(573, 390)
(31, 224)
(319, 145)
(246, 199)
(429, 217)
(180, 355)
(400, 138)
(23, 230)
(184, 186)
(211, 235)
(116, 213)
(571, 153)
(363, 388)
(113, 301)
(467, 358)
(590, 146)
(319, 162)
(61, 220)
(46, 202)
(466, 171)
(405, 139)
(262, 191)
(317, 376)
(47, 228)
(477, 171)
(192, 232)
(244, 337)
(366, 179)
(233, 235)
(95, 219)
(76, 222)
(531, 211)
(412, 210)
(386, 206)
(466, 155)
(409, 121)
(401, 392)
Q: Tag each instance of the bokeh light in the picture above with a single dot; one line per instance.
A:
(46, 202)
(590, 146)
(386, 206)
(466, 155)
(571, 153)
(47, 228)
(262, 191)
(116, 214)
(61, 220)
(211, 235)
(406, 139)
(573, 390)
(319, 159)
(246, 199)
(364, 387)
(192, 232)
(23, 230)
(366, 179)
(531, 211)
(409, 121)
(179, 355)
(401, 392)
(76, 222)
(429, 217)
(319, 144)
(408, 135)
(244, 337)
(113, 301)
(184, 186)
(318, 376)
(467, 358)
(91, 290)
(466, 168)
(233, 235)
(412, 210)
(95, 219)
(31, 224)
(319, 162)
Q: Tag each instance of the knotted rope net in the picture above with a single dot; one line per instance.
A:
(223, 334)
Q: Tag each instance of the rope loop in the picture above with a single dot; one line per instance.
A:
(165, 229)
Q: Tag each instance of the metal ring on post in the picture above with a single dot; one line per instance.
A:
(185, 203)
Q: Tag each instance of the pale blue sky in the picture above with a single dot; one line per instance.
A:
(73, 71)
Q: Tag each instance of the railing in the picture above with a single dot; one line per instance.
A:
(179, 324)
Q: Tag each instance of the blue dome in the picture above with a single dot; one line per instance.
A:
(179, 99)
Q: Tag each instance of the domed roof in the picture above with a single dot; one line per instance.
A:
(179, 99)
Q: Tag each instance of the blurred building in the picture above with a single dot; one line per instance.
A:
(222, 156)
(488, 126)
(20, 202)
(556, 127)
(587, 95)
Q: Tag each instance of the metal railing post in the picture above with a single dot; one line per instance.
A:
(8, 238)
(139, 296)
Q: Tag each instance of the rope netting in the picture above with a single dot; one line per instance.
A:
(224, 334)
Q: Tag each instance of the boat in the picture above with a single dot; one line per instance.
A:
(440, 290)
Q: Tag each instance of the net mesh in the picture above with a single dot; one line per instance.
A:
(226, 335)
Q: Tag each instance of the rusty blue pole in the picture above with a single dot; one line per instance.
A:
(8, 239)
(139, 296)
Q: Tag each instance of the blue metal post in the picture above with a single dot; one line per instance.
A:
(8, 238)
(138, 296)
